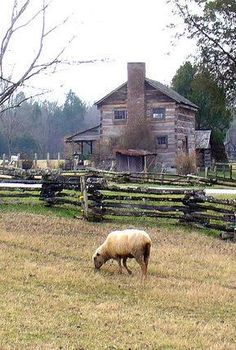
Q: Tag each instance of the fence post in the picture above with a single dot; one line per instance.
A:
(91, 199)
(48, 159)
(206, 172)
(84, 197)
(18, 160)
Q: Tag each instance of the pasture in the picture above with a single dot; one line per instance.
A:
(52, 299)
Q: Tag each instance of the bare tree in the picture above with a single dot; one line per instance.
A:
(23, 17)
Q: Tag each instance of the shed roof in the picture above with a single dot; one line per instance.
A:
(134, 152)
(203, 139)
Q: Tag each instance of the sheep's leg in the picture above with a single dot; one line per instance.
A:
(125, 265)
(146, 254)
(120, 266)
(140, 260)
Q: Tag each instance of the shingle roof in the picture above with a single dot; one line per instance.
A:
(171, 93)
(110, 93)
(202, 138)
(162, 88)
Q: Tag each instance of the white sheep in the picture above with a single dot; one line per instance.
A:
(121, 245)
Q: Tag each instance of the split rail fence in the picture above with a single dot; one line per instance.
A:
(102, 197)
(101, 200)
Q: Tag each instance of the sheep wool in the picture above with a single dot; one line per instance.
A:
(121, 245)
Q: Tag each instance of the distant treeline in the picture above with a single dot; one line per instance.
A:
(40, 127)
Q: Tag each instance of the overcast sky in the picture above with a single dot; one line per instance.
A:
(118, 31)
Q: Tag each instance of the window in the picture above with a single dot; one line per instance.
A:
(120, 114)
(162, 141)
(158, 113)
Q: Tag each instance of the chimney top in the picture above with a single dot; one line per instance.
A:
(138, 65)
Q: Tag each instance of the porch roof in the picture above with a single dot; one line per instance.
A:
(91, 134)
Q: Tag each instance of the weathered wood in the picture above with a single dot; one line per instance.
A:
(59, 200)
(194, 216)
(142, 213)
(145, 198)
(148, 190)
(145, 207)
(84, 198)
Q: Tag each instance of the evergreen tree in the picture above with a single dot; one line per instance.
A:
(200, 87)
(73, 113)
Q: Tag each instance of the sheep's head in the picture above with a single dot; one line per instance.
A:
(98, 260)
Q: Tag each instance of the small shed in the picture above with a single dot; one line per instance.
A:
(85, 140)
(203, 148)
(134, 160)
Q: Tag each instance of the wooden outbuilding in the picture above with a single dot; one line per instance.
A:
(134, 160)
(203, 148)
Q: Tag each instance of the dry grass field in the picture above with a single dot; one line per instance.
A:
(52, 299)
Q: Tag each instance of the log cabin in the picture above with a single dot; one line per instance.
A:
(154, 118)
(168, 117)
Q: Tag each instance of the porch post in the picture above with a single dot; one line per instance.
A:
(82, 149)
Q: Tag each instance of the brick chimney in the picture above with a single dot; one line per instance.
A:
(136, 92)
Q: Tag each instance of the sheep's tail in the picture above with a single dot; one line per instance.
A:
(146, 253)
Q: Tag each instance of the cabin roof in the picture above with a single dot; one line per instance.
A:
(158, 86)
(171, 93)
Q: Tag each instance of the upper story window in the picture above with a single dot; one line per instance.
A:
(158, 113)
(162, 141)
(120, 114)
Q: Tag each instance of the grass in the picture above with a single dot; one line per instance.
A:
(52, 299)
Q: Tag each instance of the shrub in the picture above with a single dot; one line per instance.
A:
(186, 163)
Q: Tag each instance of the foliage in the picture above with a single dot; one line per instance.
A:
(182, 81)
(199, 86)
(3, 144)
(73, 112)
(103, 151)
(137, 135)
(25, 144)
(42, 126)
(213, 25)
(186, 163)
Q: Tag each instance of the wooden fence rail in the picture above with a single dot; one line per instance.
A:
(163, 179)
